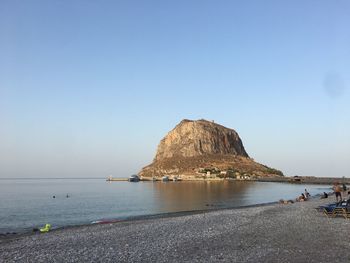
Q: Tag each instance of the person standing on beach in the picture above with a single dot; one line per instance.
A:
(337, 191)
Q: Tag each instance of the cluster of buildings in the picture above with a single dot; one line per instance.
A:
(212, 173)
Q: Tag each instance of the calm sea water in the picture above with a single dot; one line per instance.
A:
(25, 204)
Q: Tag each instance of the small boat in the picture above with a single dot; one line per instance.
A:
(134, 178)
(109, 178)
(165, 178)
(175, 179)
(154, 179)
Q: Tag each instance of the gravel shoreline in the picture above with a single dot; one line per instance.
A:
(270, 233)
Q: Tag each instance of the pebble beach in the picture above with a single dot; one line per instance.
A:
(268, 233)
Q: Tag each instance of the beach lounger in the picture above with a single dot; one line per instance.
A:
(338, 211)
(329, 206)
(334, 212)
(328, 212)
(326, 209)
(346, 213)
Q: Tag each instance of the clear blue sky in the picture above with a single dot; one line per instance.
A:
(88, 88)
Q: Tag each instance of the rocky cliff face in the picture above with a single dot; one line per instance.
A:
(197, 138)
(194, 146)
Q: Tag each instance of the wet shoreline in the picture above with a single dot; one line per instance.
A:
(30, 232)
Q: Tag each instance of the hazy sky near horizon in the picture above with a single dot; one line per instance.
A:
(89, 88)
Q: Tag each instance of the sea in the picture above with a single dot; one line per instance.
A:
(31, 203)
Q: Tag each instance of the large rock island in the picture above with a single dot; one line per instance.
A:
(204, 149)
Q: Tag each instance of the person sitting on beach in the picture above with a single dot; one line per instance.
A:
(337, 191)
(301, 198)
(307, 194)
(325, 195)
(285, 202)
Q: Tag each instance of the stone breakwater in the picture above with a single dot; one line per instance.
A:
(270, 233)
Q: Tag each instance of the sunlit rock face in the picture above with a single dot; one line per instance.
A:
(197, 138)
(196, 145)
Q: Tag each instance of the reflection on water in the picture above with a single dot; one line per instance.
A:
(25, 204)
(198, 195)
(184, 196)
